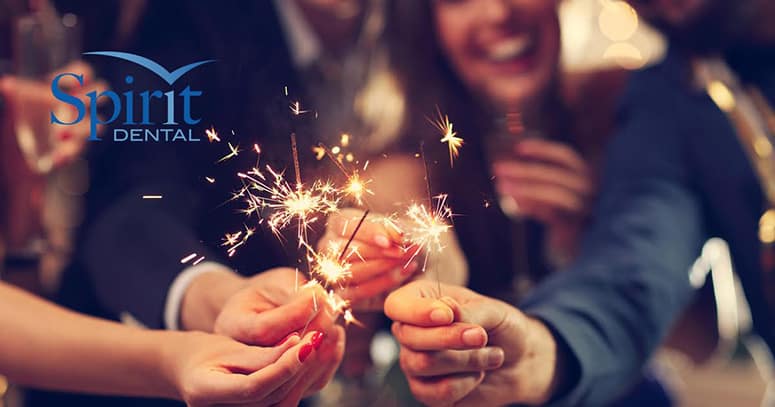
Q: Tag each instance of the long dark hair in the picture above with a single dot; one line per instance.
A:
(429, 80)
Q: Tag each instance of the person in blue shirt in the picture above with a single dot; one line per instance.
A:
(692, 159)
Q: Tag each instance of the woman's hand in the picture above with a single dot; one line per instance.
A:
(379, 262)
(550, 182)
(270, 306)
(208, 369)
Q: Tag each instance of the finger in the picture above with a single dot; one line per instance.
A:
(460, 336)
(415, 304)
(358, 250)
(440, 363)
(269, 379)
(444, 390)
(368, 270)
(344, 222)
(380, 286)
(331, 359)
(250, 360)
(559, 199)
(324, 364)
(236, 387)
(534, 172)
(551, 152)
(268, 327)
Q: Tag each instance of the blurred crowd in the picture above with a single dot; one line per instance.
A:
(587, 204)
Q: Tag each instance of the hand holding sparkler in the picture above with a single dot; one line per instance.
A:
(470, 350)
(377, 261)
(265, 308)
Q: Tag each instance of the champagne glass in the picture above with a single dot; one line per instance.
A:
(43, 42)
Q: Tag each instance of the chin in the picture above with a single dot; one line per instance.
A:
(521, 94)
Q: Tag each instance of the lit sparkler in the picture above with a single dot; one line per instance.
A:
(426, 226)
(448, 135)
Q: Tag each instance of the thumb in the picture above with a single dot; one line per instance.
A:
(266, 328)
(486, 312)
(415, 304)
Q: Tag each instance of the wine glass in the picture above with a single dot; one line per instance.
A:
(43, 42)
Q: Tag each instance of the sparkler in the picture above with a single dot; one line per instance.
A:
(281, 203)
(355, 187)
(448, 135)
(426, 227)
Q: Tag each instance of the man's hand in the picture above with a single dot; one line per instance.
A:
(379, 262)
(465, 349)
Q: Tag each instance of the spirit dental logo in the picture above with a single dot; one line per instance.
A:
(134, 127)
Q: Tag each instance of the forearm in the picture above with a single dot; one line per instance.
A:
(50, 347)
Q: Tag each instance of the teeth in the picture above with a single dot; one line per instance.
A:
(510, 48)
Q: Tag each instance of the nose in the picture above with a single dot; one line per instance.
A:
(495, 11)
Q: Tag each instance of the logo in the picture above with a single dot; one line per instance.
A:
(133, 109)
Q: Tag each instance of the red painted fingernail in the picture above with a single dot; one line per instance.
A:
(287, 338)
(305, 351)
(65, 135)
(317, 339)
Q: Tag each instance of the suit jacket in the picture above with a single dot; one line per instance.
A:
(675, 176)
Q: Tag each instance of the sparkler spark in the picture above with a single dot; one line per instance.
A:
(448, 135)
(286, 202)
(212, 135)
(357, 187)
(329, 267)
(233, 152)
(296, 108)
(427, 226)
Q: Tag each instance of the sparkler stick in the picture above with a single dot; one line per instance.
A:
(429, 225)
(296, 167)
(355, 232)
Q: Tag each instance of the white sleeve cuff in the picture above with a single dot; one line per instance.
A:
(180, 286)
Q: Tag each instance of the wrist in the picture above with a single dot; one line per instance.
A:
(160, 360)
(206, 296)
(540, 371)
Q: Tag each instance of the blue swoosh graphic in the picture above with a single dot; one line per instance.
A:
(169, 77)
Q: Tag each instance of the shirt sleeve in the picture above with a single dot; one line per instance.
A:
(613, 307)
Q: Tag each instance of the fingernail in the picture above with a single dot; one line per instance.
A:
(382, 241)
(442, 316)
(317, 339)
(287, 338)
(394, 252)
(495, 358)
(305, 351)
(474, 337)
